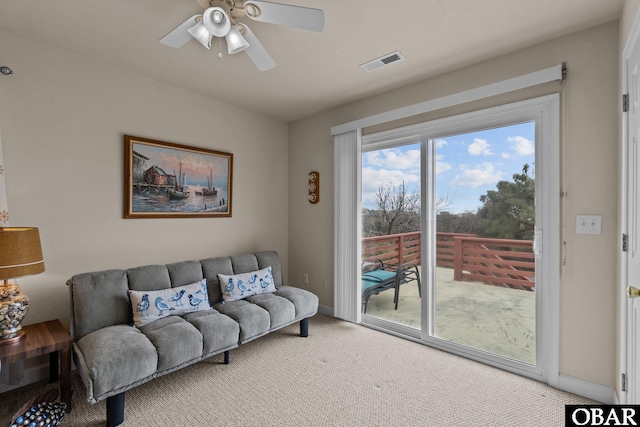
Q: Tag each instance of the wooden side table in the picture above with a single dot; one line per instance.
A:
(45, 338)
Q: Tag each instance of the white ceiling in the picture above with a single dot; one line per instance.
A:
(315, 71)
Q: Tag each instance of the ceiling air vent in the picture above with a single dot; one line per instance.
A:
(383, 61)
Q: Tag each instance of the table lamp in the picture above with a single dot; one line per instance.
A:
(20, 255)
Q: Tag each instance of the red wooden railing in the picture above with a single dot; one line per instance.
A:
(499, 262)
(394, 248)
(445, 251)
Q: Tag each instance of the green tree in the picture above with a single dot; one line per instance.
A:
(463, 222)
(509, 211)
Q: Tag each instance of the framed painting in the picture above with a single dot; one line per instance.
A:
(167, 180)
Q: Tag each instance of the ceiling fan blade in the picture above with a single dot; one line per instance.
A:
(304, 18)
(179, 36)
(257, 52)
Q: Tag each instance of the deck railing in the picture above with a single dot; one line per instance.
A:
(500, 262)
(394, 248)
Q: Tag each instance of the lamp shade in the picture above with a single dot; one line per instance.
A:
(20, 252)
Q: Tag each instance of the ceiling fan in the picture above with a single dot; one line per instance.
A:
(220, 19)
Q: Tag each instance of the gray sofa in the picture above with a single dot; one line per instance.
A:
(112, 356)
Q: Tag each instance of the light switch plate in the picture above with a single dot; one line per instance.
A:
(589, 224)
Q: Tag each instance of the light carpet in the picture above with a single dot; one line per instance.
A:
(341, 375)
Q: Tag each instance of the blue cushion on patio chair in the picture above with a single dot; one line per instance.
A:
(375, 277)
(376, 281)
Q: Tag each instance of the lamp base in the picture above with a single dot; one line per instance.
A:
(14, 305)
(13, 340)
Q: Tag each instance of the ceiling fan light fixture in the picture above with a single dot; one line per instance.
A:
(217, 16)
(252, 11)
(215, 20)
(235, 42)
(200, 33)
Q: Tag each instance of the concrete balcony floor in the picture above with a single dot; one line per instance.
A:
(485, 317)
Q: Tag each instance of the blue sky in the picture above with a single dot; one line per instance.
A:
(467, 165)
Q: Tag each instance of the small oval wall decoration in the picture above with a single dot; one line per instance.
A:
(314, 187)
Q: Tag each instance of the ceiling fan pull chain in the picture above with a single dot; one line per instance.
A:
(220, 49)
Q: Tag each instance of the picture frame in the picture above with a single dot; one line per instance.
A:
(169, 180)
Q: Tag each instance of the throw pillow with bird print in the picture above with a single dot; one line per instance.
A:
(240, 286)
(265, 283)
(148, 306)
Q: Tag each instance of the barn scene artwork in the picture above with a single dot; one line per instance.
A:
(167, 180)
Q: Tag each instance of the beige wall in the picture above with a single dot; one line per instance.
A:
(62, 121)
(626, 20)
(590, 168)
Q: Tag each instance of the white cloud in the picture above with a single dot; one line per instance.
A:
(521, 145)
(393, 158)
(479, 147)
(483, 174)
(442, 166)
(373, 179)
(441, 143)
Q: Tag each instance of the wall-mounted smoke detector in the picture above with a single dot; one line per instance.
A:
(383, 61)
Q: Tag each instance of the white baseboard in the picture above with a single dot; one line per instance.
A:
(587, 389)
(327, 311)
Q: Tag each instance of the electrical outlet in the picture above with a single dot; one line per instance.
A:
(305, 279)
(324, 283)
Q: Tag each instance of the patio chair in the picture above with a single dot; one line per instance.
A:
(378, 277)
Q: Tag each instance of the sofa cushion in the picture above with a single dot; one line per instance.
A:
(177, 342)
(305, 302)
(98, 300)
(149, 278)
(149, 306)
(219, 332)
(254, 321)
(281, 310)
(185, 272)
(240, 286)
(115, 357)
(244, 263)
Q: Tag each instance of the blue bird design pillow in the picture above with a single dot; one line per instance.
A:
(240, 286)
(148, 306)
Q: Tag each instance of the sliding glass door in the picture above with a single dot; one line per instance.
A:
(453, 213)
(391, 232)
(483, 283)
